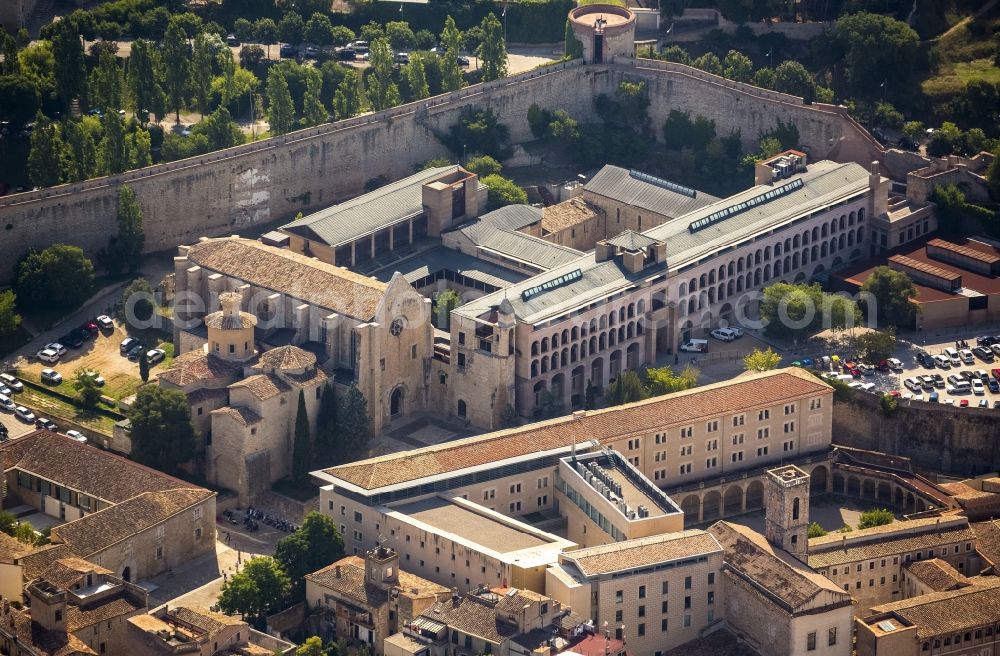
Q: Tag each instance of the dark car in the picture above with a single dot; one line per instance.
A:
(993, 385)
(347, 54)
(47, 424)
(968, 375)
(463, 60)
(4, 435)
(232, 41)
(925, 359)
(127, 345)
(135, 352)
(73, 339)
(983, 353)
(938, 381)
(311, 52)
(288, 50)
(986, 340)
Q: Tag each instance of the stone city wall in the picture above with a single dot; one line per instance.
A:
(234, 190)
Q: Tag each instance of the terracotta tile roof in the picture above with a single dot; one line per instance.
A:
(473, 617)
(208, 394)
(937, 574)
(568, 214)
(315, 376)
(196, 366)
(98, 531)
(84, 468)
(263, 386)
(44, 643)
(988, 540)
(774, 572)
(286, 357)
(205, 619)
(286, 272)
(943, 613)
(11, 548)
(642, 552)
(767, 389)
(105, 609)
(68, 572)
(239, 414)
(351, 581)
(888, 540)
(512, 600)
(41, 560)
(219, 319)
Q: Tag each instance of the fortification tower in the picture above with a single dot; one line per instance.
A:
(786, 509)
(605, 31)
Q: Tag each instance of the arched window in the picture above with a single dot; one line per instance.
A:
(545, 345)
(534, 348)
(462, 409)
(683, 291)
(795, 508)
(693, 285)
(534, 368)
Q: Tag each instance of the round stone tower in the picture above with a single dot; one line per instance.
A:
(605, 30)
(230, 331)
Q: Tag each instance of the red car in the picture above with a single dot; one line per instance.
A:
(856, 372)
(895, 393)
(91, 327)
(964, 403)
(996, 373)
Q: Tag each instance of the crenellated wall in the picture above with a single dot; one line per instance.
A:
(232, 190)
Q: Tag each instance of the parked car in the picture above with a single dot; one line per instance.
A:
(981, 375)
(47, 355)
(894, 364)
(996, 373)
(964, 403)
(695, 346)
(47, 424)
(942, 361)
(105, 322)
(6, 403)
(952, 355)
(25, 415)
(6, 391)
(76, 435)
(723, 334)
(955, 378)
(347, 54)
(927, 382)
(925, 359)
(11, 382)
(359, 46)
(986, 340)
(912, 384)
(994, 386)
(996, 349)
(983, 403)
(51, 376)
(96, 377)
(154, 356)
(938, 381)
(977, 388)
(232, 41)
(57, 347)
(127, 345)
(463, 60)
(135, 352)
(401, 58)
(311, 52)
(983, 353)
(967, 357)
(996, 405)
(4, 434)
(287, 50)
(73, 339)
(933, 397)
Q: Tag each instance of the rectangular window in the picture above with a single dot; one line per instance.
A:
(685, 468)
(665, 587)
(663, 625)
(711, 578)
(687, 431)
(687, 582)
(811, 641)
(762, 451)
(763, 433)
(619, 596)
(789, 427)
(358, 517)
(515, 506)
(790, 409)
(358, 537)
(737, 456)
(618, 616)
(788, 445)
(663, 607)
(642, 611)
(711, 597)
(712, 426)
(763, 415)
(159, 553)
(642, 592)
(687, 620)
(642, 629)
(515, 488)
(737, 439)
(738, 420)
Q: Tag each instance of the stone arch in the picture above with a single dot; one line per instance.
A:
(545, 345)
(711, 506)
(755, 495)
(767, 272)
(767, 253)
(824, 232)
(795, 261)
(611, 318)
(621, 334)
(603, 342)
(818, 478)
(730, 287)
(822, 251)
(897, 498)
(558, 387)
(796, 508)
(534, 348)
(555, 361)
(853, 486)
(757, 257)
(597, 372)
(861, 215)
(732, 268)
(641, 307)
(703, 280)
(921, 506)
(615, 361)
(884, 492)
(711, 277)
(593, 343)
(575, 333)
(850, 238)
(756, 278)
(711, 295)
(682, 309)
(630, 330)
(838, 483)
(632, 356)
(739, 284)
(564, 357)
(749, 280)
(841, 242)
(621, 314)
(843, 221)
(910, 502)
(732, 501)
(397, 400)
(726, 312)
(545, 364)
(722, 272)
(851, 217)
(534, 368)
(692, 308)
(693, 285)
(631, 310)
(739, 265)
(691, 505)
(868, 488)
(555, 341)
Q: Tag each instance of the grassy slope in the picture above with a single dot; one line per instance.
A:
(965, 55)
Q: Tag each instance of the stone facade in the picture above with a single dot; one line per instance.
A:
(605, 31)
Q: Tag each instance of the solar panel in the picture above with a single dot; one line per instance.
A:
(564, 279)
(886, 626)
(664, 184)
(743, 206)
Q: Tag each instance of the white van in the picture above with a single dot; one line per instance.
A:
(953, 356)
(695, 346)
(961, 387)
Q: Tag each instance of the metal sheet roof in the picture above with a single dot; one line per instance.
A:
(493, 232)
(440, 258)
(366, 213)
(619, 184)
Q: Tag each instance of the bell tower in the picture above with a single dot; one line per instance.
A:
(786, 510)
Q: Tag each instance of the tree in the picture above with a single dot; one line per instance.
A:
(353, 422)
(342, 35)
(416, 78)
(202, 70)
(590, 396)
(176, 64)
(815, 531)
(8, 49)
(266, 31)
(327, 444)
(70, 68)
(48, 155)
(9, 318)
(875, 517)
(145, 74)
(913, 130)
(572, 46)
(242, 29)
(626, 388)
(791, 311)
(876, 346)
(313, 111)
(280, 110)
(314, 545)
(131, 238)
(260, 588)
(313, 646)
(25, 533)
(81, 160)
(709, 62)
(872, 45)
(758, 360)
(347, 98)
(451, 72)
(503, 191)
(382, 91)
(400, 35)
(143, 368)
(479, 131)
(219, 129)
(138, 149)
(663, 380)
(737, 66)
(886, 115)
(892, 293)
(484, 165)
(493, 49)
(86, 387)
(291, 28)
(113, 154)
(162, 435)
(141, 308)
(8, 522)
(302, 451)
(319, 30)
(19, 99)
(59, 276)
(445, 301)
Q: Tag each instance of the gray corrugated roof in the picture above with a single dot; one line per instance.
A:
(513, 217)
(367, 213)
(632, 241)
(491, 233)
(615, 183)
(824, 183)
(440, 258)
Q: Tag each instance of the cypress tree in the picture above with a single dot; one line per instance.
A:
(302, 456)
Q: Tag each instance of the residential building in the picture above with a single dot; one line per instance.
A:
(654, 593)
(119, 515)
(199, 631)
(922, 577)
(368, 599)
(869, 563)
(957, 623)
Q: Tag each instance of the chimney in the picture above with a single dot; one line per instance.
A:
(337, 570)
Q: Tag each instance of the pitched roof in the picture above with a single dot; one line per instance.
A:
(196, 366)
(286, 357)
(239, 414)
(776, 573)
(766, 389)
(68, 572)
(262, 386)
(121, 604)
(632, 241)
(642, 552)
(351, 582)
(205, 619)
(43, 642)
(942, 613)
(300, 277)
(937, 574)
(490, 234)
(645, 192)
(473, 617)
(888, 540)
(40, 560)
(84, 468)
(366, 213)
(573, 212)
(11, 548)
(98, 531)
(220, 320)
(988, 540)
